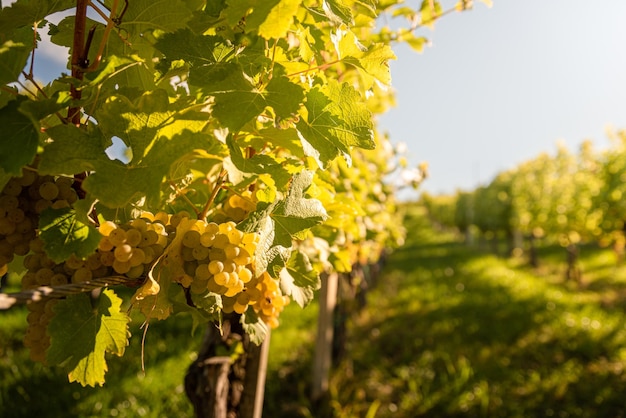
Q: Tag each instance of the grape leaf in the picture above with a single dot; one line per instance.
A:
(39, 109)
(430, 10)
(18, 129)
(295, 213)
(63, 234)
(279, 19)
(27, 12)
(284, 96)
(14, 54)
(159, 306)
(299, 280)
(162, 15)
(148, 129)
(237, 100)
(258, 164)
(199, 49)
(80, 336)
(73, 150)
(373, 60)
(256, 329)
(337, 12)
(336, 120)
(255, 12)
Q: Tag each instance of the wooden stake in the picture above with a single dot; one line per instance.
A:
(324, 342)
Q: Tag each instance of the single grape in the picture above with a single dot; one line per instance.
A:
(221, 241)
(83, 274)
(200, 252)
(221, 278)
(198, 286)
(245, 275)
(239, 308)
(138, 257)
(43, 276)
(58, 279)
(191, 238)
(203, 272)
(232, 251)
(123, 253)
(48, 190)
(121, 267)
(134, 237)
(207, 238)
(212, 228)
(117, 237)
(136, 272)
(12, 188)
(216, 266)
(148, 237)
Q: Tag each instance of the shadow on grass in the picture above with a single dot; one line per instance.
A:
(29, 389)
(455, 333)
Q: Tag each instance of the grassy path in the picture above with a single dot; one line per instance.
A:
(453, 332)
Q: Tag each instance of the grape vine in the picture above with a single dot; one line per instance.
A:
(246, 167)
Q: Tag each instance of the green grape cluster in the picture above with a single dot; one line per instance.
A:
(263, 294)
(36, 338)
(131, 249)
(236, 207)
(217, 257)
(21, 201)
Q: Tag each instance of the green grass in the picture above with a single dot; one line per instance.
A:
(449, 331)
(456, 332)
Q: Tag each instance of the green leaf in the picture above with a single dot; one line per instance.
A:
(73, 150)
(373, 61)
(149, 15)
(199, 49)
(18, 129)
(158, 136)
(41, 108)
(237, 100)
(256, 329)
(430, 11)
(299, 280)
(27, 12)
(14, 54)
(63, 234)
(279, 19)
(284, 97)
(258, 164)
(337, 119)
(80, 336)
(338, 12)
(296, 213)
(255, 12)
(161, 305)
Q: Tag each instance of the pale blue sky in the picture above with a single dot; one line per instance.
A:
(500, 85)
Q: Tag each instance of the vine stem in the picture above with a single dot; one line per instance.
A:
(216, 189)
(78, 57)
(320, 67)
(182, 195)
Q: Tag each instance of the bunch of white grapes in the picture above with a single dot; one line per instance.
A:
(22, 199)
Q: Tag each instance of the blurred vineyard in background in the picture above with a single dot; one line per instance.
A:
(569, 199)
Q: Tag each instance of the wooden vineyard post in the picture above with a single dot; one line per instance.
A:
(221, 386)
(323, 344)
(254, 386)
